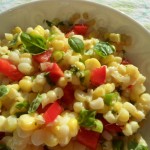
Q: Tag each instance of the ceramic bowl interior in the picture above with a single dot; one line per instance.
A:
(34, 13)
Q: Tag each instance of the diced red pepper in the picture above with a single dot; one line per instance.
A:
(41, 110)
(80, 29)
(55, 72)
(98, 76)
(52, 112)
(88, 138)
(43, 57)
(68, 98)
(111, 127)
(10, 70)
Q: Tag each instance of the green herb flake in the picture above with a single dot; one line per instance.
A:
(87, 119)
(103, 49)
(22, 105)
(35, 104)
(33, 44)
(110, 98)
(3, 90)
(76, 44)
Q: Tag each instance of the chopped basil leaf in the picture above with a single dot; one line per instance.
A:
(117, 144)
(33, 44)
(35, 104)
(103, 49)
(98, 126)
(87, 119)
(76, 44)
(22, 105)
(110, 98)
(3, 90)
(4, 147)
(14, 41)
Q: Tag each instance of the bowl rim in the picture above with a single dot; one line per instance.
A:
(91, 2)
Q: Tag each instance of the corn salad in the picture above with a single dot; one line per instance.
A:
(61, 85)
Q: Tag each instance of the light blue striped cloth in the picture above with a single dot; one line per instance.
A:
(137, 9)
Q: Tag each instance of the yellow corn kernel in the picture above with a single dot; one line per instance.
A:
(73, 126)
(117, 106)
(132, 71)
(130, 107)
(92, 63)
(17, 30)
(139, 115)
(109, 87)
(11, 124)
(27, 122)
(80, 65)
(99, 92)
(50, 139)
(2, 122)
(25, 85)
(26, 55)
(9, 36)
(110, 117)
(123, 115)
(58, 44)
(115, 37)
(15, 86)
(104, 110)
(13, 93)
(37, 87)
(108, 59)
(62, 82)
(40, 30)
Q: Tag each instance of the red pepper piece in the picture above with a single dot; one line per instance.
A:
(88, 138)
(52, 112)
(43, 57)
(98, 76)
(10, 70)
(80, 29)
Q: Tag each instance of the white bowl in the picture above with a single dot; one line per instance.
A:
(34, 13)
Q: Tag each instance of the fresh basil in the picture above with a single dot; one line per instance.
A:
(22, 105)
(33, 44)
(35, 104)
(87, 119)
(103, 49)
(76, 44)
(3, 90)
